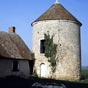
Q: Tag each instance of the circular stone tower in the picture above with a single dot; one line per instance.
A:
(66, 30)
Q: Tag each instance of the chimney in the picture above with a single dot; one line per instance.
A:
(12, 29)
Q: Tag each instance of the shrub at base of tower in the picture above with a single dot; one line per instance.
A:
(50, 51)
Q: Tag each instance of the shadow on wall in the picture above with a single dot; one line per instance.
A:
(14, 66)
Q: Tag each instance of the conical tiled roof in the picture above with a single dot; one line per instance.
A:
(57, 12)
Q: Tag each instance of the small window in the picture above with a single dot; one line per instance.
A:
(42, 46)
(15, 66)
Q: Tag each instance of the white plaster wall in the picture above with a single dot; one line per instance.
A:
(6, 67)
(24, 68)
(67, 36)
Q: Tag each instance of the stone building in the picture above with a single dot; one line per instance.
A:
(66, 30)
(15, 57)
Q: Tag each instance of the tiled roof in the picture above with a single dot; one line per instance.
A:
(57, 12)
(12, 46)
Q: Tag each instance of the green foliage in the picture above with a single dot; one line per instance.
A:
(84, 72)
(50, 51)
(84, 75)
(32, 55)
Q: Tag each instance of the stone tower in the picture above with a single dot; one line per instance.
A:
(66, 30)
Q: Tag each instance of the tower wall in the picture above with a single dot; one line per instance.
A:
(67, 37)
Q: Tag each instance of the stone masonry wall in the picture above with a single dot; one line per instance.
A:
(67, 37)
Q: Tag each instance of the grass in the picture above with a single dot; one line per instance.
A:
(84, 75)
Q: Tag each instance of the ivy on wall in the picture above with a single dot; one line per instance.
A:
(50, 50)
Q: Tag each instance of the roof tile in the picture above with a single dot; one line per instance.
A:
(12, 46)
(57, 12)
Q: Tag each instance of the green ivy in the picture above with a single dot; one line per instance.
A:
(50, 51)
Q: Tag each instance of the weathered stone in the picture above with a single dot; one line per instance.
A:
(67, 37)
(66, 30)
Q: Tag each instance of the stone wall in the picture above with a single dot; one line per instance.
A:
(67, 37)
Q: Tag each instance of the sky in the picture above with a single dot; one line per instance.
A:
(21, 13)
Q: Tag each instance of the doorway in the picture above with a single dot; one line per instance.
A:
(43, 70)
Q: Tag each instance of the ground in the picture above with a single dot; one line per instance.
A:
(18, 82)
